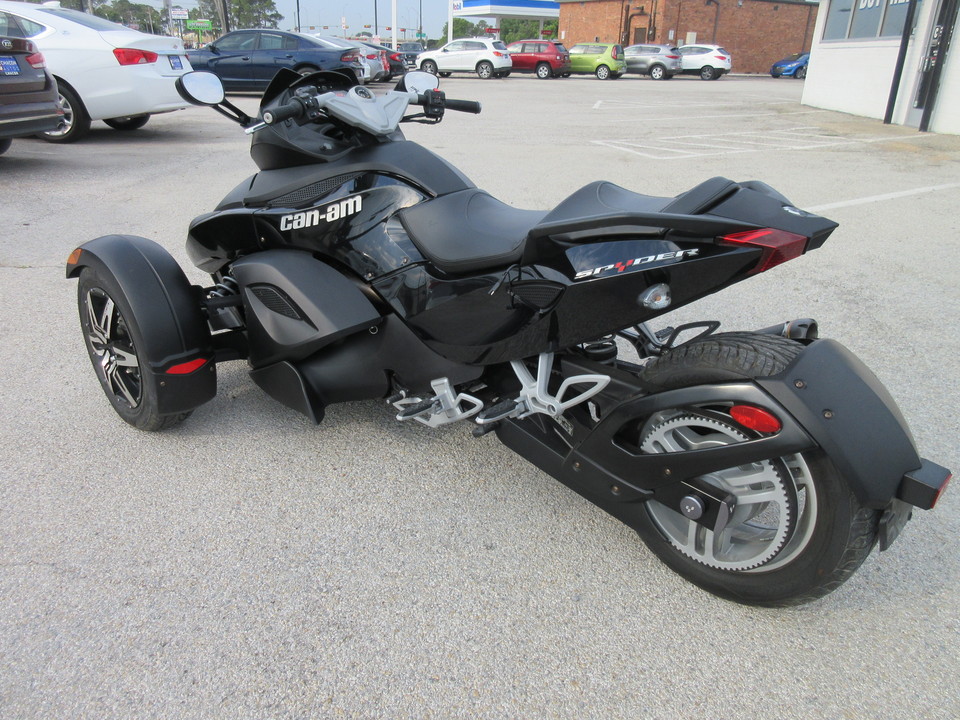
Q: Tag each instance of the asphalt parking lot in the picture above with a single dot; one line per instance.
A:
(248, 564)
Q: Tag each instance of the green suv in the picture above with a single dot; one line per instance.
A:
(605, 60)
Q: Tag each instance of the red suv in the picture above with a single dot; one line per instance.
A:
(546, 58)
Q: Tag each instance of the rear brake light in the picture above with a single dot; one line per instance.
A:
(778, 246)
(350, 56)
(36, 61)
(132, 56)
(755, 418)
(673, 57)
(497, 53)
(395, 57)
(614, 54)
(721, 57)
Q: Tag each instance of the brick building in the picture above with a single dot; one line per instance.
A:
(756, 32)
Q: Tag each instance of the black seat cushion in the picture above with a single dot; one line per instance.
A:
(469, 231)
(603, 198)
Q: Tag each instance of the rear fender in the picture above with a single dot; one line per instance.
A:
(166, 308)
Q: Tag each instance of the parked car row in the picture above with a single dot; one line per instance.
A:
(550, 59)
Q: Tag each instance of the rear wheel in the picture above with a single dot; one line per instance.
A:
(76, 121)
(484, 70)
(658, 72)
(544, 71)
(708, 72)
(602, 72)
(114, 340)
(307, 69)
(429, 66)
(797, 531)
(134, 122)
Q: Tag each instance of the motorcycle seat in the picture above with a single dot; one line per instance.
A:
(469, 231)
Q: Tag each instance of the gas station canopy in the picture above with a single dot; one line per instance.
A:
(534, 9)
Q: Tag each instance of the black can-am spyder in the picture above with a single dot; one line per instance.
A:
(763, 466)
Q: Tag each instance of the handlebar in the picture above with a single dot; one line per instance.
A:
(289, 110)
(470, 106)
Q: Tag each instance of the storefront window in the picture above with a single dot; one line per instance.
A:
(865, 19)
(837, 20)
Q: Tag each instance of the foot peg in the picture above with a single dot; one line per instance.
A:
(443, 408)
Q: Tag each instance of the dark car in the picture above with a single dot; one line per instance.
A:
(248, 59)
(546, 58)
(410, 52)
(28, 93)
(794, 66)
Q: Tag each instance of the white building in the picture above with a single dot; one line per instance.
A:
(858, 47)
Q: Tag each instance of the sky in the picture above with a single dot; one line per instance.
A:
(360, 13)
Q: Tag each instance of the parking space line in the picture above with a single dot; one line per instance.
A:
(882, 198)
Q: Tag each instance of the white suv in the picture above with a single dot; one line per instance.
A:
(707, 61)
(487, 58)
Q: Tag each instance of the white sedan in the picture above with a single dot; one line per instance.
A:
(104, 71)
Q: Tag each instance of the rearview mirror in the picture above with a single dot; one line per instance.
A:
(419, 82)
(200, 88)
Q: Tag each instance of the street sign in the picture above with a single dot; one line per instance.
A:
(199, 24)
(179, 14)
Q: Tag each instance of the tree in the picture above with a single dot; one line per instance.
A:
(513, 29)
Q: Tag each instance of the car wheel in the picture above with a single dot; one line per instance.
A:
(307, 69)
(484, 70)
(445, 74)
(133, 122)
(544, 71)
(708, 72)
(603, 72)
(658, 72)
(5, 145)
(76, 121)
(801, 73)
(429, 66)
(566, 74)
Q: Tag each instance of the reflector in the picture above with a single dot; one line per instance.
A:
(755, 418)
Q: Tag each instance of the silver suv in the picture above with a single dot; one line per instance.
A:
(661, 62)
(487, 58)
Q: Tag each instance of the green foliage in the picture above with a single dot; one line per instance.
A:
(243, 14)
(510, 29)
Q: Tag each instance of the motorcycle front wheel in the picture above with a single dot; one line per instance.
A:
(797, 531)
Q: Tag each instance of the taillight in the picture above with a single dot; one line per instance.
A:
(497, 53)
(778, 246)
(758, 419)
(722, 58)
(395, 57)
(131, 56)
(350, 56)
(36, 61)
(614, 54)
(673, 57)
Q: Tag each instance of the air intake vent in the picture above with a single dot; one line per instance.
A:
(306, 195)
(277, 301)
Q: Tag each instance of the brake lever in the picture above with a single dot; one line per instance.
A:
(254, 128)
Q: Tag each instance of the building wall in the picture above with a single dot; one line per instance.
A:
(757, 32)
(855, 76)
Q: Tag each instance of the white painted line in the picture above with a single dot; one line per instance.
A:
(881, 198)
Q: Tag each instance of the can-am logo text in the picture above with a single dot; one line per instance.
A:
(330, 213)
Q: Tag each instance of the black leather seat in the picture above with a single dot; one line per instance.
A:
(470, 231)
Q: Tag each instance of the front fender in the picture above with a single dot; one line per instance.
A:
(166, 308)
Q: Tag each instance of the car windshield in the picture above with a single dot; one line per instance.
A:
(91, 21)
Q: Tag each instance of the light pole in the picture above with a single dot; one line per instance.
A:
(716, 17)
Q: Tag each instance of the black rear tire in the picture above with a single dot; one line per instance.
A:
(114, 339)
(832, 532)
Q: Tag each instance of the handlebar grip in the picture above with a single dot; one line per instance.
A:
(470, 106)
(284, 112)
